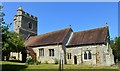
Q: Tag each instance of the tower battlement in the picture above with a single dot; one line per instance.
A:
(25, 23)
(21, 12)
(29, 15)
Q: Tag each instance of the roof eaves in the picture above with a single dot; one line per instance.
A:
(73, 45)
(44, 45)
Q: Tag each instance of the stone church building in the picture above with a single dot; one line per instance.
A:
(91, 47)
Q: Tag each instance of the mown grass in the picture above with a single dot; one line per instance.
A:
(56, 66)
(12, 66)
(17, 66)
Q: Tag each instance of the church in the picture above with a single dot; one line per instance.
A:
(89, 47)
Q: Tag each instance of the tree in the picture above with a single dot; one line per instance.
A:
(115, 45)
(11, 41)
(3, 32)
(16, 43)
(0, 32)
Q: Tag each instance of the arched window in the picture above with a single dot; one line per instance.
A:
(89, 55)
(69, 55)
(85, 55)
(51, 52)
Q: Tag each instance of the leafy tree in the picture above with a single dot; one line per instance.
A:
(11, 41)
(115, 45)
(16, 43)
(3, 32)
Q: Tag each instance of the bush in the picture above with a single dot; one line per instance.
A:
(29, 60)
(56, 61)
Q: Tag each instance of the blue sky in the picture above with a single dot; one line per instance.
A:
(59, 15)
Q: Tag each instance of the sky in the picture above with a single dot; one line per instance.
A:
(59, 0)
(54, 16)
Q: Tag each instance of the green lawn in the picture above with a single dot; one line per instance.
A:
(54, 66)
(16, 66)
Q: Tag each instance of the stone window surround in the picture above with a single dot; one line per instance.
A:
(51, 52)
(41, 52)
(69, 55)
(87, 51)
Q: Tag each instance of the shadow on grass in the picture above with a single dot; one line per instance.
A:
(13, 67)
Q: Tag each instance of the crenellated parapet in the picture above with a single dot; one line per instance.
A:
(25, 23)
(29, 16)
(21, 12)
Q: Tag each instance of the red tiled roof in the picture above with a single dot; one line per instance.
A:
(93, 36)
(48, 38)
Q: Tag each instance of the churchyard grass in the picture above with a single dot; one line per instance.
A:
(17, 66)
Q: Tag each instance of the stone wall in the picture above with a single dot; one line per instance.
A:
(79, 52)
(25, 20)
(46, 57)
(99, 55)
(15, 56)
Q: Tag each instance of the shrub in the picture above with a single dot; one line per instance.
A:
(29, 60)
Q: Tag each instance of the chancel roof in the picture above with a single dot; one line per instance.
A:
(93, 36)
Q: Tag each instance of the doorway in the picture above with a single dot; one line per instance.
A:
(24, 56)
(75, 59)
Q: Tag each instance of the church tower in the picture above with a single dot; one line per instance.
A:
(25, 24)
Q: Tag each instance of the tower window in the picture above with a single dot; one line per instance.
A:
(30, 25)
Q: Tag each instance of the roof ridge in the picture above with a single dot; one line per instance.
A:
(49, 38)
(54, 31)
(90, 29)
